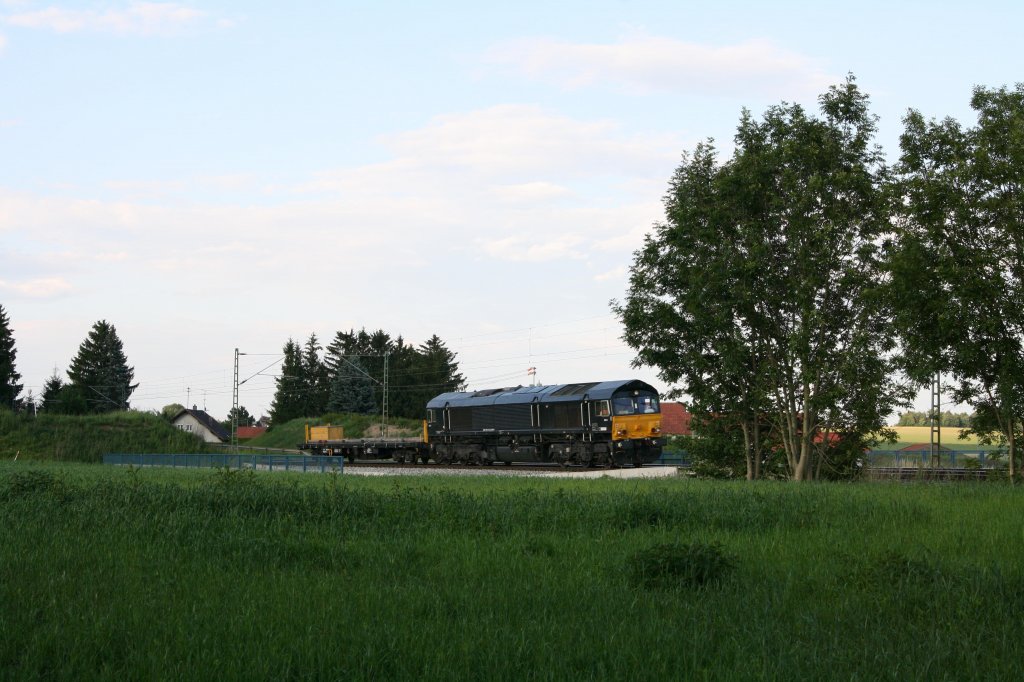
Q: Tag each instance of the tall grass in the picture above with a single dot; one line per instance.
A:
(123, 573)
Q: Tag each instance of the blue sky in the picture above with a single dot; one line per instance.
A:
(212, 175)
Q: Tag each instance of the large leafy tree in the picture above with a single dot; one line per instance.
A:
(957, 263)
(100, 373)
(691, 311)
(757, 293)
(9, 386)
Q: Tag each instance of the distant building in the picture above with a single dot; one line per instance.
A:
(201, 424)
(250, 432)
(675, 420)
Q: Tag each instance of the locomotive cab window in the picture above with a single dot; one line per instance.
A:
(644, 403)
(647, 404)
(430, 417)
(601, 408)
(623, 405)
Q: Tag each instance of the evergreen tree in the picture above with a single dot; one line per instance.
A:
(51, 393)
(9, 386)
(100, 371)
(433, 370)
(29, 404)
(351, 388)
(415, 374)
(315, 378)
(289, 399)
(244, 418)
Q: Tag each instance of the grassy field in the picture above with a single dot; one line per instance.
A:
(110, 573)
(922, 434)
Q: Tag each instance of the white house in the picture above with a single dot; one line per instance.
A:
(201, 424)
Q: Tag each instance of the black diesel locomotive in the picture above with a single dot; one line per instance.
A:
(606, 423)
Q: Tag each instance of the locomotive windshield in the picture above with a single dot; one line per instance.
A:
(642, 403)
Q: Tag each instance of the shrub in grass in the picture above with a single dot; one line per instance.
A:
(690, 565)
(34, 482)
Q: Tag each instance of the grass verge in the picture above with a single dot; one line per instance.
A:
(110, 573)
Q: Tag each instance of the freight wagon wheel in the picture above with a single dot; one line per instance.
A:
(424, 458)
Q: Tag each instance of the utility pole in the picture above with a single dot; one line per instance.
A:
(234, 409)
(936, 421)
(384, 401)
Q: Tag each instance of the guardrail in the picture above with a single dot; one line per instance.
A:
(314, 463)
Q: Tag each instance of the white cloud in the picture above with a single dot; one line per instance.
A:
(510, 183)
(520, 249)
(530, 192)
(137, 18)
(646, 64)
(46, 287)
(518, 139)
(616, 273)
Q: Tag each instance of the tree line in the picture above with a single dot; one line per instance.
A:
(348, 375)
(99, 377)
(801, 290)
(954, 419)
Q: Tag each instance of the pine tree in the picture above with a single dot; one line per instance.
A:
(441, 366)
(352, 389)
(315, 379)
(9, 386)
(51, 393)
(100, 371)
(289, 399)
(244, 418)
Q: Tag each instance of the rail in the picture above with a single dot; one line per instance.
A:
(306, 463)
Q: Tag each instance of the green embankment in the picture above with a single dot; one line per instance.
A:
(289, 434)
(118, 573)
(87, 438)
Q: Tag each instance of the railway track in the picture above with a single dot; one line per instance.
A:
(388, 464)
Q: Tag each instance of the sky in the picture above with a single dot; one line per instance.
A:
(209, 176)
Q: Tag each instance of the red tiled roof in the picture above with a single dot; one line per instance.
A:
(247, 432)
(675, 419)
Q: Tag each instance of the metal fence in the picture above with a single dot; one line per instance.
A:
(980, 459)
(314, 463)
